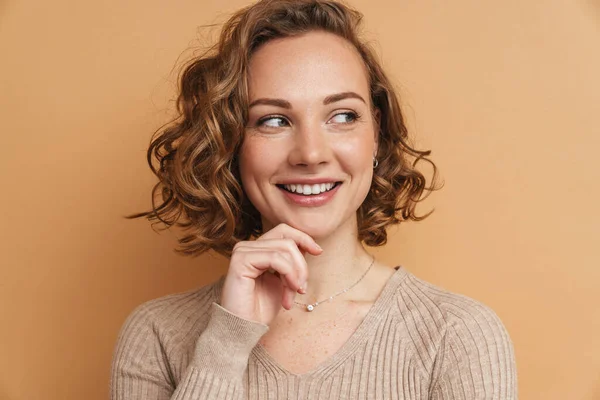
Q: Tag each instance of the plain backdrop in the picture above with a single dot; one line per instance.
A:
(506, 94)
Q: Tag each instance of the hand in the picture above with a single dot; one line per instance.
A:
(250, 291)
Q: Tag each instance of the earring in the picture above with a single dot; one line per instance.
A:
(375, 162)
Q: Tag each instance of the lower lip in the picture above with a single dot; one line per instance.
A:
(313, 200)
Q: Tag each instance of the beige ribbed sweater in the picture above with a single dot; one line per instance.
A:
(416, 342)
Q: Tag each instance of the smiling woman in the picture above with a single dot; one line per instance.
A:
(325, 133)
(290, 154)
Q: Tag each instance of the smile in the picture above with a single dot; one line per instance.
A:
(310, 195)
(308, 190)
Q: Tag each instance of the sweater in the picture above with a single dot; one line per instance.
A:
(417, 341)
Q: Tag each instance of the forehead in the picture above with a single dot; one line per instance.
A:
(310, 66)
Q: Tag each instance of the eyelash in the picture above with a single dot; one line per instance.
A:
(353, 116)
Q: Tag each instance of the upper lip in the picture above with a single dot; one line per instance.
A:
(307, 181)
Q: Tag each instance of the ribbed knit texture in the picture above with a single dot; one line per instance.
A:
(417, 342)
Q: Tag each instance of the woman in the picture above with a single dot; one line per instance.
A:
(290, 153)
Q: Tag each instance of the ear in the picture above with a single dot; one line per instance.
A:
(376, 129)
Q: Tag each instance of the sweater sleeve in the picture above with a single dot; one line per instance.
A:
(216, 372)
(475, 360)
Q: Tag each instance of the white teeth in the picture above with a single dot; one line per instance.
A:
(309, 189)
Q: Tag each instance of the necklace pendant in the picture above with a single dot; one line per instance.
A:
(310, 307)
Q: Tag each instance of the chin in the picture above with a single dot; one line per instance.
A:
(317, 228)
(315, 232)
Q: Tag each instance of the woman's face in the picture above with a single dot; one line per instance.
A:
(307, 155)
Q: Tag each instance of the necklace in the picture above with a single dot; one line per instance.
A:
(311, 307)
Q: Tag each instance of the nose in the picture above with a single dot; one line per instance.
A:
(310, 147)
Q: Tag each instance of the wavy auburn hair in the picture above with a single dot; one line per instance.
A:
(196, 154)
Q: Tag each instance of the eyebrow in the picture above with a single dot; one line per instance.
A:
(271, 102)
(286, 104)
(341, 96)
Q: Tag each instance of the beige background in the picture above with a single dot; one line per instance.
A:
(507, 94)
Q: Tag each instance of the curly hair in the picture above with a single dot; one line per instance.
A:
(197, 153)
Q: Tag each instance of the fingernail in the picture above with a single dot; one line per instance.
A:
(303, 289)
(319, 247)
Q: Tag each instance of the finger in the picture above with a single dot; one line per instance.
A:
(288, 301)
(287, 298)
(302, 240)
(256, 261)
(288, 295)
(288, 248)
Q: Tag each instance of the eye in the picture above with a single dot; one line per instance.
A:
(272, 121)
(347, 117)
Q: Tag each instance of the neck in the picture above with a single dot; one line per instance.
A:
(343, 261)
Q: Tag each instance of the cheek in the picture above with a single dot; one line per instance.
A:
(247, 165)
(250, 156)
(357, 152)
(256, 162)
(357, 158)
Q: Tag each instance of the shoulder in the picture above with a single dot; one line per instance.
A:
(443, 309)
(161, 319)
(458, 336)
(156, 341)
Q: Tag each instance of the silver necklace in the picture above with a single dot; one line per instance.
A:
(311, 307)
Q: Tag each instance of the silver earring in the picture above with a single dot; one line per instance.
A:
(375, 162)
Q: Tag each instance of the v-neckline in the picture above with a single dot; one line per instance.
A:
(366, 327)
